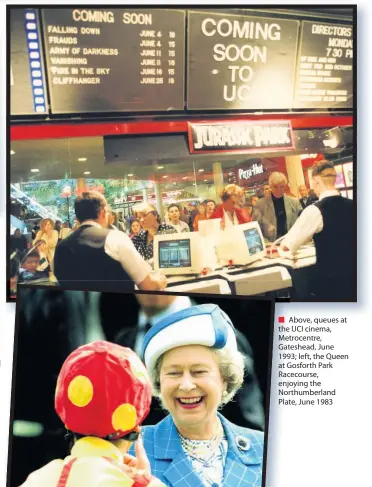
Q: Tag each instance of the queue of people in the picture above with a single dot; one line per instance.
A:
(91, 253)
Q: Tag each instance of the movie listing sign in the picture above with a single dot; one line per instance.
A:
(240, 62)
(114, 60)
(325, 66)
(240, 137)
(27, 87)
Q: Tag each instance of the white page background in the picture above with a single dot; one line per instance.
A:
(319, 446)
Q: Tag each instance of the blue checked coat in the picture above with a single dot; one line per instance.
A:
(170, 464)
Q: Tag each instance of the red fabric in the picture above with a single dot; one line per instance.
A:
(242, 215)
(65, 473)
(108, 379)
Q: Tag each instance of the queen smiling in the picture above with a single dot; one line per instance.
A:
(195, 366)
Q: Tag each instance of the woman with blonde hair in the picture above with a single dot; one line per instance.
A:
(229, 211)
(50, 237)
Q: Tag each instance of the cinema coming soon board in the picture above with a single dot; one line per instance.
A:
(114, 60)
(240, 62)
(240, 137)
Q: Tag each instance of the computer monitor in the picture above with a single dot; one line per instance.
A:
(241, 245)
(177, 254)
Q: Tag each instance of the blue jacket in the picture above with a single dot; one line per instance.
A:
(170, 464)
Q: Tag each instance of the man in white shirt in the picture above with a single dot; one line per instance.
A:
(330, 222)
(96, 258)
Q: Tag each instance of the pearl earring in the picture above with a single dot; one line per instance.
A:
(224, 393)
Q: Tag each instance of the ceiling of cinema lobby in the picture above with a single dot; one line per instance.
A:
(71, 158)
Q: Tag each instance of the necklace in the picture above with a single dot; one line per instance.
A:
(207, 456)
(203, 450)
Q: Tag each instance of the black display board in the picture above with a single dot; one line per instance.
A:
(27, 87)
(325, 66)
(240, 62)
(114, 60)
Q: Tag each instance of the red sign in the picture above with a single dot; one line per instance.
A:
(240, 137)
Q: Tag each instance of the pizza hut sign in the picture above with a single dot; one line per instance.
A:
(251, 171)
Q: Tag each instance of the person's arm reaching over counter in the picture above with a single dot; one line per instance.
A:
(309, 222)
(120, 247)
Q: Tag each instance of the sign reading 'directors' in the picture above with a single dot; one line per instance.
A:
(240, 62)
(114, 60)
(325, 66)
(240, 136)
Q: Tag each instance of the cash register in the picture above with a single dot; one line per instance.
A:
(217, 263)
(177, 254)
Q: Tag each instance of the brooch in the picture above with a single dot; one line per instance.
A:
(243, 443)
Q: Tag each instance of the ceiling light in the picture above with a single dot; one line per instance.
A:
(332, 143)
(130, 175)
(12, 152)
(165, 177)
(160, 167)
(185, 177)
(34, 170)
(82, 159)
(87, 172)
(201, 170)
(205, 180)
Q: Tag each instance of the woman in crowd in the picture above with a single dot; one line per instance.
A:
(135, 228)
(196, 368)
(150, 221)
(210, 206)
(229, 210)
(50, 237)
(200, 216)
(18, 242)
(65, 230)
(174, 214)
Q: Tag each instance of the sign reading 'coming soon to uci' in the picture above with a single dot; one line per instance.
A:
(239, 137)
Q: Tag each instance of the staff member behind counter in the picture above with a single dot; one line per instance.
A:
(276, 212)
(330, 222)
(96, 258)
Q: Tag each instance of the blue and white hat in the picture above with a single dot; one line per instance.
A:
(205, 324)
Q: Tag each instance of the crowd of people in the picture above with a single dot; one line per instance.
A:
(279, 214)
